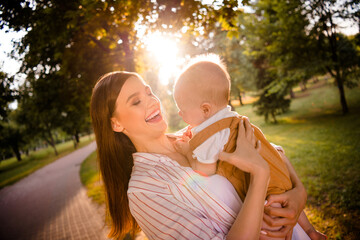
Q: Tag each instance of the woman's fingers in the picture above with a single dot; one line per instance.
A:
(241, 132)
(275, 222)
(258, 145)
(288, 215)
(248, 129)
(279, 234)
(250, 132)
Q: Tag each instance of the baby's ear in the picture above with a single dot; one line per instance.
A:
(206, 109)
(116, 126)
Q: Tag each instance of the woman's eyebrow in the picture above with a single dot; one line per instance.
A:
(131, 96)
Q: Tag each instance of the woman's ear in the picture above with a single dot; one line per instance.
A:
(206, 109)
(116, 126)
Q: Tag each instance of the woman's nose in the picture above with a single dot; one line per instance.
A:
(152, 100)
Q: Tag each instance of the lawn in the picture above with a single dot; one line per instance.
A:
(324, 147)
(11, 170)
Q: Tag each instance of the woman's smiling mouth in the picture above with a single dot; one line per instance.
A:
(154, 117)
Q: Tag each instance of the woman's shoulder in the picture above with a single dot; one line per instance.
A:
(149, 173)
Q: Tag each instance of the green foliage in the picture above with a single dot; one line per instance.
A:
(70, 44)
(276, 43)
(242, 73)
(271, 105)
(7, 95)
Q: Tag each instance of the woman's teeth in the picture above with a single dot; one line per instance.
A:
(152, 115)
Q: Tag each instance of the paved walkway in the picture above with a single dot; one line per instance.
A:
(51, 203)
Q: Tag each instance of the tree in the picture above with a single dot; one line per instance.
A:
(10, 132)
(69, 44)
(229, 46)
(12, 136)
(38, 111)
(277, 44)
(7, 94)
(333, 48)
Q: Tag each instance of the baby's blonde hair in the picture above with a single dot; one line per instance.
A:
(207, 76)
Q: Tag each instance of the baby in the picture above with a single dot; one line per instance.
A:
(202, 93)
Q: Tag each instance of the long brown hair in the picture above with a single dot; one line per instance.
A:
(114, 152)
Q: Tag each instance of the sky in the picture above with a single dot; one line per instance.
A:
(8, 64)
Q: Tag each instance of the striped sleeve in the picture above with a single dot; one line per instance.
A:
(161, 216)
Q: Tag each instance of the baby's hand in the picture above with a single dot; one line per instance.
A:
(182, 145)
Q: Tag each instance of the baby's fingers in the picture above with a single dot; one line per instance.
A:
(185, 138)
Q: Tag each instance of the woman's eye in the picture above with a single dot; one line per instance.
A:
(136, 102)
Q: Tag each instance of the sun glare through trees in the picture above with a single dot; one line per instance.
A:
(163, 48)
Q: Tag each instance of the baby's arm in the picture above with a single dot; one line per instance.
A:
(309, 229)
(182, 146)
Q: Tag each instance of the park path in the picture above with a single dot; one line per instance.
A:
(51, 203)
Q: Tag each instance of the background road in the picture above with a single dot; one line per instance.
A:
(51, 203)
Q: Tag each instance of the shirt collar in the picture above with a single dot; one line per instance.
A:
(223, 113)
(152, 158)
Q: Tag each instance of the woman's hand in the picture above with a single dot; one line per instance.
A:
(287, 216)
(246, 155)
(293, 203)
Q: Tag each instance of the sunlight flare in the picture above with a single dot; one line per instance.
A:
(165, 51)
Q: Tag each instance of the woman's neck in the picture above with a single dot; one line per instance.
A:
(161, 144)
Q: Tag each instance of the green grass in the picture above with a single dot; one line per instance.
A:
(324, 147)
(11, 170)
(90, 177)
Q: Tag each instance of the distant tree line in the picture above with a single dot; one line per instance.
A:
(69, 44)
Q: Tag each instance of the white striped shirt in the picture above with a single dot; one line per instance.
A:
(169, 201)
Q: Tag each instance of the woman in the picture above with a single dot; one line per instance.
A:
(165, 196)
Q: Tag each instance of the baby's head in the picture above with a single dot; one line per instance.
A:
(202, 89)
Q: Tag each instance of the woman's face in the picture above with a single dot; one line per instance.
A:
(138, 111)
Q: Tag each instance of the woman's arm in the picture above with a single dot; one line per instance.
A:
(293, 202)
(246, 157)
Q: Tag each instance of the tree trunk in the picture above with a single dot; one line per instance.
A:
(273, 116)
(303, 86)
(54, 147)
(240, 99)
(232, 107)
(343, 102)
(77, 138)
(51, 142)
(292, 94)
(16, 151)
